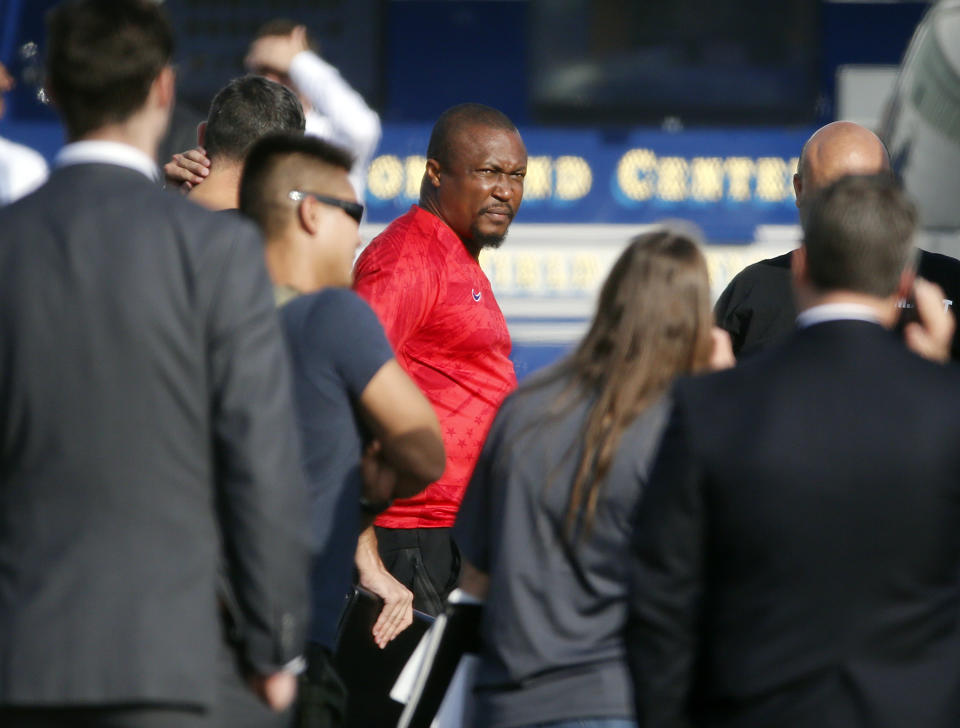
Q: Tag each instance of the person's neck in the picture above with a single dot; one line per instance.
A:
(221, 189)
(430, 205)
(137, 135)
(884, 308)
(288, 268)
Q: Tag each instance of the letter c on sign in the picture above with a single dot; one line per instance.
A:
(635, 174)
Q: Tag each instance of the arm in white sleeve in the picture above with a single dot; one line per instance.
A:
(353, 124)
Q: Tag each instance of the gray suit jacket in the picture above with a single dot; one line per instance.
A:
(146, 440)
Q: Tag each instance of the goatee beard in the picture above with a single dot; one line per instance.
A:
(479, 240)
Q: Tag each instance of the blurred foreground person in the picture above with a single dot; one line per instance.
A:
(757, 307)
(367, 432)
(797, 551)
(546, 519)
(151, 500)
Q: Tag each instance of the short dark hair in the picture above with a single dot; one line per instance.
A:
(102, 57)
(457, 117)
(278, 163)
(859, 235)
(244, 110)
(284, 26)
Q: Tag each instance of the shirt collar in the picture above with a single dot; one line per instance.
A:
(283, 294)
(837, 312)
(104, 152)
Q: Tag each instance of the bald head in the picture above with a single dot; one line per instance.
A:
(836, 150)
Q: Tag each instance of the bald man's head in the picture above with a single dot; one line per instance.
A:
(837, 150)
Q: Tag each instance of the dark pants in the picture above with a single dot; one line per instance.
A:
(425, 560)
(321, 694)
(114, 716)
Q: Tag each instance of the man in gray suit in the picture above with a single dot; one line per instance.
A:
(147, 439)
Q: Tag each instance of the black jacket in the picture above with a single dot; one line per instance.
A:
(797, 552)
(757, 306)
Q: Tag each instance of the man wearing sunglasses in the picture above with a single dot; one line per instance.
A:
(367, 433)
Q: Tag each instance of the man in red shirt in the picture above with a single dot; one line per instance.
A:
(423, 279)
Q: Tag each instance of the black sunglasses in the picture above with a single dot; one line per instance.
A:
(353, 209)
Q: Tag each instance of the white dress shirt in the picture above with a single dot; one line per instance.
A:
(339, 114)
(836, 312)
(103, 152)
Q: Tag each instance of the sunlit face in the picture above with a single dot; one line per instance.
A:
(337, 237)
(480, 189)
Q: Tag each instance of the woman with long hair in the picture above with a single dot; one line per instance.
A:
(545, 524)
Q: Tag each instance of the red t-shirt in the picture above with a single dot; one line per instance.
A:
(449, 334)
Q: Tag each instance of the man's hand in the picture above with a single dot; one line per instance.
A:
(6, 84)
(6, 80)
(277, 690)
(397, 612)
(275, 53)
(722, 356)
(188, 169)
(930, 337)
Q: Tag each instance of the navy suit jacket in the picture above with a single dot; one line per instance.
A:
(797, 554)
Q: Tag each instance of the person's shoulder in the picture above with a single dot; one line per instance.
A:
(548, 389)
(937, 260)
(21, 155)
(330, 312)
(940, 269)
(403, 247)
(408, 234)
(207, 227)
(331, 299)
(733, 385)
(769, 269)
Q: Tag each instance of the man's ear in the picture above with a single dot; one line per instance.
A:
(433, 172)
(202, 134)
(164, 87)
(905, 287)
(798, 267)
(308, 214)
(797, 188)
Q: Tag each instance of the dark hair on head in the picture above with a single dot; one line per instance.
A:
(284, 26)
(244, 110)
(653, 323)
(456, 118)
(859, 235)
(102, 58)
(279, 163)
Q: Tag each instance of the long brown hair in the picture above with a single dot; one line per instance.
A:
(652, 324)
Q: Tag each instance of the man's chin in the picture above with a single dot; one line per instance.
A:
(480, 240)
